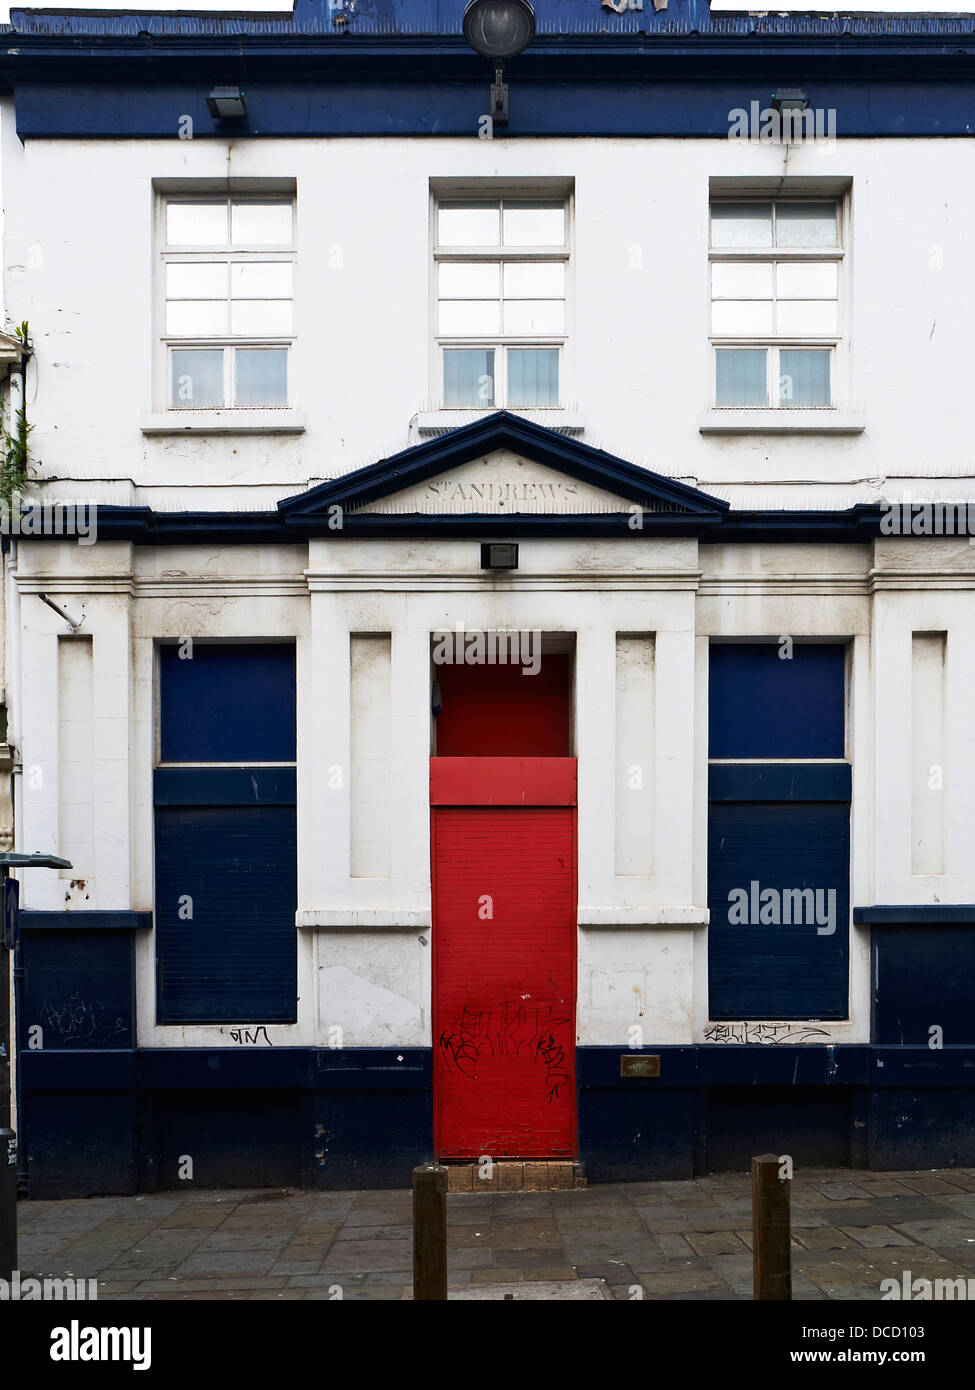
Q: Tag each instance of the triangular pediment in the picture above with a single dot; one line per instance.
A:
(501, 466)
(501, 483)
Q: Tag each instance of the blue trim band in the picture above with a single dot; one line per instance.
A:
(780, 782)
(85, 920)
(914, 914)
(224, 786)
(375, 1069)
(189, 1068)
(140, 525)
(558, 103)
(339, 509)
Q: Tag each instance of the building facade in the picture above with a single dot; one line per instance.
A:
(508, 688)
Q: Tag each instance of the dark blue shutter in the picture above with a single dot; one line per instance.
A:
(235, 961)
(924, 976)
(78, 985)
(764, 707)
(779, 826)
(227, 703)
(226, 850)
(764, 971)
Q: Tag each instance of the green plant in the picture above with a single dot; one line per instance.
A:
(15, 455)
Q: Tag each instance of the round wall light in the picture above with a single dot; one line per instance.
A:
(499, 29)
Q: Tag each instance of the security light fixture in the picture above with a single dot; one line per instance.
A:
(499, 556)
(789, 101)
(227, 104)
(498, 30)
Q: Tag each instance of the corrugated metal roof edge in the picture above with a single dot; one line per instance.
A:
(96, 23)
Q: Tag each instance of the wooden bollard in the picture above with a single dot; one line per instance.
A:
(430, 1232)
(771, 1230)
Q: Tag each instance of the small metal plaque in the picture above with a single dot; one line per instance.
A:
(639, 1065)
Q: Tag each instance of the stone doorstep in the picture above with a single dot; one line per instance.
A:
(556, 1175)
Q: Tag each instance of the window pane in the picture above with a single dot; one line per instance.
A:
(533, 376)
(192, 318)
(261, 317)
(468, 281)
(535, 316)
(469, 224)
(740, 377)
(196, 224)
(805, 224)
(262, 377)
(804, 377)
(197, 379)
(811, 316)
(459, 317)
(534, 224)
(806, 280)
(261, 280)
(541, 280)
(741, 224)
(261, 224)
(743, 281)
(197, 281)
(745, 318)
(468, 377)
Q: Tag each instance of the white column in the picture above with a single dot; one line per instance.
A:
(324, 823)
(674, 698)
(595, 729)
(111, 769)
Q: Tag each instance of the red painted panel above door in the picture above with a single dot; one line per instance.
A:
(501, 712)
(504, 884)
(503, 781)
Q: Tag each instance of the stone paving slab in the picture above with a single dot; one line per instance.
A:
(583, 1290)
(672, 1241)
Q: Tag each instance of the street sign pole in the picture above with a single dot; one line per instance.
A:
(8, 1140)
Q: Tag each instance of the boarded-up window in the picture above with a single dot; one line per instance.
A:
(226, 881)
(778, 833)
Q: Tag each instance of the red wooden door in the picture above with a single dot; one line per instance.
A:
(504, 926)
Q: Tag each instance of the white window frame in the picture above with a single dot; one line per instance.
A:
(229, 342)
(500, 342)
(836, 343)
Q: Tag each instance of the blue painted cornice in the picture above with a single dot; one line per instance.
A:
(401, 67)
(580, 22)
(667, 508)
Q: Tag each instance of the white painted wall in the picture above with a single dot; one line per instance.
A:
(364, 958)
(79, 263)
(79, 268)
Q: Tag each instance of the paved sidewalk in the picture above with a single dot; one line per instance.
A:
(676, 1240)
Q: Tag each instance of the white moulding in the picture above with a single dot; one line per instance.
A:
(782, 421)
(223, 422)
(614, 918)
(429, 422)
(362, 918)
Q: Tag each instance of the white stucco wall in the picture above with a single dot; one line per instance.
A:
(79, 267)
(364, 956)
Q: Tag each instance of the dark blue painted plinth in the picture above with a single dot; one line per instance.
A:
(123, 1120)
